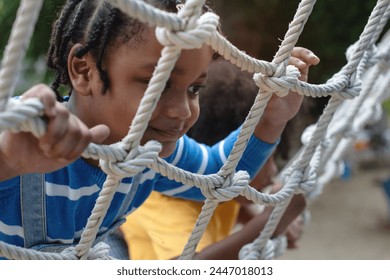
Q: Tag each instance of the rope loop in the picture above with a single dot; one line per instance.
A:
(231, 188)
(99, 252)
(278, 85)
(351, 91)
(190, 30)
(273, 248)
(190, 39)
(307, 184)
(347, 89)
(133, 165)
(23, 115)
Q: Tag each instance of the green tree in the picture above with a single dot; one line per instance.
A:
(34, 70)
(40, 40)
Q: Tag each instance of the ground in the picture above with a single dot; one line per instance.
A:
(347, 220)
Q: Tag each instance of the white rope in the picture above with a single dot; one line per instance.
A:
(301, 166)
(189, 29)
(21, 33)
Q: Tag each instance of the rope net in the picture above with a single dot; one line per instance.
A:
(356, 93)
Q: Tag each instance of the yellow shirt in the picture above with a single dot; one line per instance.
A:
(160, 228)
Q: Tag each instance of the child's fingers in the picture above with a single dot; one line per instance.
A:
(66, 136)
(302, 67)
(99, 133)
(73, 142)
(57, 126)
(303, 58)
(300, 64)
(305, 55)
(46, 95)
(96, 134)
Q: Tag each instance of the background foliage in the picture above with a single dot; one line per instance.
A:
(255, 26)
(258, 26)
(34, 69)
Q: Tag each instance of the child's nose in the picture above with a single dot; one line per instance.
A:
(177, 106)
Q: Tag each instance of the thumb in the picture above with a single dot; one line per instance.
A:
(99, 133)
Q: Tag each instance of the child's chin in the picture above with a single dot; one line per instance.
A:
(167, 150)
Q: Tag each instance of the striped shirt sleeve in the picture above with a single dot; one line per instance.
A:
(202, 159)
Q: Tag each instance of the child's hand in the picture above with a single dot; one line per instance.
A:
(282, 109)
(294, 232)
(65, 139)
(303, 58)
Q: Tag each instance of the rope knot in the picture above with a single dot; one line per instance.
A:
(278, 85)
(23, 115)
(348, 90)
(306, 186)
(99, 252)
(135, 164)
(273, 248)
(231, 188)
(351, 91)
(194, 38)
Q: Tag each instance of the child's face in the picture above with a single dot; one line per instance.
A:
(130, 67)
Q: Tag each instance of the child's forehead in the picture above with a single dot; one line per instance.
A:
(189, 63)
(143, 43)
(146, 41)
(132, 39)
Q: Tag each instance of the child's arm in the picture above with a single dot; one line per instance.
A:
(281, 109)
(229, 247)
(294, 232)
(65, 139)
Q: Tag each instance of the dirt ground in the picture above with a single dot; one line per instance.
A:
(347, 220)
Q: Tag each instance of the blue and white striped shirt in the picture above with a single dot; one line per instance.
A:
(71, 192)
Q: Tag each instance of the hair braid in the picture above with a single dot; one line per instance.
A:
(95, 24)
(105, 39)
(99, 37)
(55, 57)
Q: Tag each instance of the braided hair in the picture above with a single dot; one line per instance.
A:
(95, 24)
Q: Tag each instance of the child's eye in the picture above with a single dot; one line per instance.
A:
(194, 89)
(143, 80)
(167, 85)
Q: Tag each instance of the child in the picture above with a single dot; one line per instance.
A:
(225, 102)
(107, 59)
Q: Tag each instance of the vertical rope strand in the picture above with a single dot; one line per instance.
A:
(16, 48)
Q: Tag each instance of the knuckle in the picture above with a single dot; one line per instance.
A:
(63, 112)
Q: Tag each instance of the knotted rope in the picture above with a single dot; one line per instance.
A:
(189, 29)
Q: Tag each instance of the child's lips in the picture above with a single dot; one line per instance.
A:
(166, 135)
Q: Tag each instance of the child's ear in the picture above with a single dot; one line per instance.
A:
(80, 69)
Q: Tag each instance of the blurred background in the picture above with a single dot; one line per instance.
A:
(258, 27)
(255, 26)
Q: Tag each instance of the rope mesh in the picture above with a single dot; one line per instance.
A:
(355, 92)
